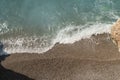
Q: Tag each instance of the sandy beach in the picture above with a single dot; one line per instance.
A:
(95, 58)
(59, 39)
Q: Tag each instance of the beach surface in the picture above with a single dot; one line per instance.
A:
(94, 58)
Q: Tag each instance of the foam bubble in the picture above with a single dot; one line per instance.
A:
(72, 34)
(3, 28)
(68, 35)
(27, 44)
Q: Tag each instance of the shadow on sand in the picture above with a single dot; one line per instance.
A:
(6, 74)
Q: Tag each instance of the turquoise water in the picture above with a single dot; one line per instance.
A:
(37, 25)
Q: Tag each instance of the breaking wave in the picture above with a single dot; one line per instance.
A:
(67, 35)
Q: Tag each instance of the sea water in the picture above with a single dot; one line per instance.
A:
(35, 26)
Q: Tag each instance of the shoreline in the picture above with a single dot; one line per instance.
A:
(93, 58)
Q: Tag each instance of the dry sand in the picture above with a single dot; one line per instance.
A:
(96, 58)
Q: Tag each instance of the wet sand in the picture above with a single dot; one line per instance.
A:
(96, 58)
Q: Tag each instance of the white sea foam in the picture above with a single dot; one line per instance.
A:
(26, 45)
(3, 28)
(72, 34)
(68, 35)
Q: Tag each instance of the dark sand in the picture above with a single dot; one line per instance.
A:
(96, 58)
